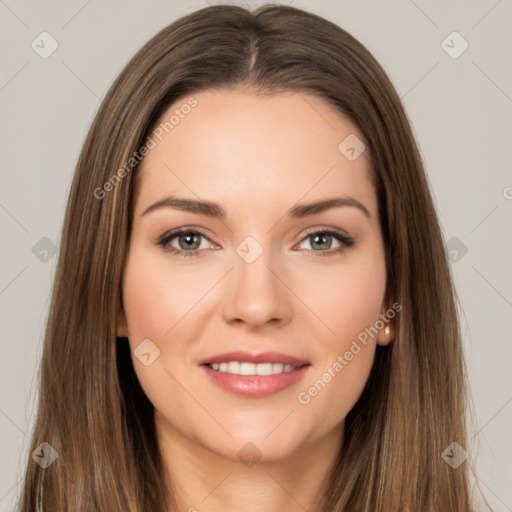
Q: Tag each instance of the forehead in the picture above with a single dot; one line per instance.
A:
(236, 146)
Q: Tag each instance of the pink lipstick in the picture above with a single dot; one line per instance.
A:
(254, 375)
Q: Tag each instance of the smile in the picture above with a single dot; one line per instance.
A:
(242, 368)
(254, 375)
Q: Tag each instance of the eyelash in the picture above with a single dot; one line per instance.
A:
(339, 235)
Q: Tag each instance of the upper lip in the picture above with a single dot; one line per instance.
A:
(260, 357)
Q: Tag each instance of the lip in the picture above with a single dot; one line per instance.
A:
(248, 357)
(255, 386)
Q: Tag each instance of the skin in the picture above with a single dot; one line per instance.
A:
(257, 157)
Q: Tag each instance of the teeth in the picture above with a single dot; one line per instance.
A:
(245, 368)
(239, 368)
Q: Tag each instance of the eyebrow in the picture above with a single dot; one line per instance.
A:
(215, 210)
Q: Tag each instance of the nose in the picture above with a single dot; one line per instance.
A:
(257, 293)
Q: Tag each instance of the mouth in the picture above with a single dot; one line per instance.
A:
(254, 375)
(244, 368)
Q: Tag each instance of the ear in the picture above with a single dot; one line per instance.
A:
(387, 334)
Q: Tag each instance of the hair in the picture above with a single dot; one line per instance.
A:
(91, 408)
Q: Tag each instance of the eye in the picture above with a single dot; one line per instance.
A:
(323, 238)
(188, 241)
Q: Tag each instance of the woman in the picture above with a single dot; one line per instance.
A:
(253, 309)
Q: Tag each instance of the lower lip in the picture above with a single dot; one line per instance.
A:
(255, 386)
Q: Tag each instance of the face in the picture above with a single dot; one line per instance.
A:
(279, 284)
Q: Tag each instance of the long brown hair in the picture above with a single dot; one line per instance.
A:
(92, 410)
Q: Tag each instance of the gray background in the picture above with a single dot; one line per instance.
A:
(460, 109)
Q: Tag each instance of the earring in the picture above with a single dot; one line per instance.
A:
(387, 330)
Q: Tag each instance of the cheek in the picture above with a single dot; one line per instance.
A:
(162, 302)
(349, 300)
(157, 297)
(148, 306)
(351, 309)
(156, 301)
(360, 300)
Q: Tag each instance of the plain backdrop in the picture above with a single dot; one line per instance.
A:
(459, 101)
